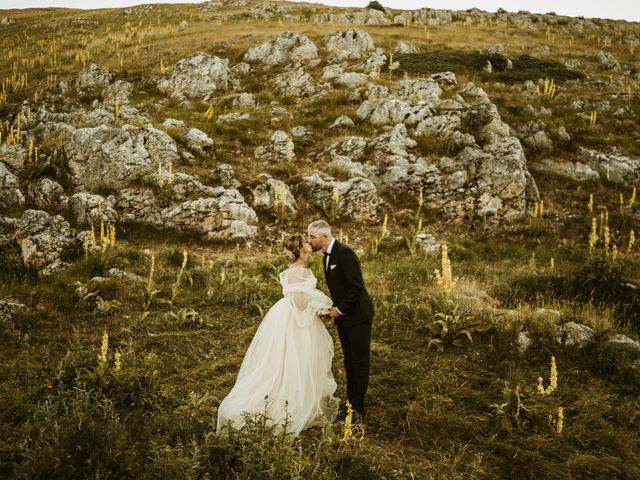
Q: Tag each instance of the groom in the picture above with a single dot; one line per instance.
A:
(352, 310)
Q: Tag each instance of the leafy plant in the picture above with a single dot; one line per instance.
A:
(453, 328)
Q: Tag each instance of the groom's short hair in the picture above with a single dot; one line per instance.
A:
(320, 226)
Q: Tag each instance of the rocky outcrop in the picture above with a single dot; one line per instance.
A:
(46, 194)
(294, 83)
(44, 241)
(574, 335)
(198, 77)
(11, 196)
(613, 167)
(355, 199)
(92, 78)
(224, 217)
(279, 149)
(273, 197)
(90, 209)
(288, 47)
(352, 44)
(111, 158)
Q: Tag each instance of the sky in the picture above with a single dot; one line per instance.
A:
(617, 9)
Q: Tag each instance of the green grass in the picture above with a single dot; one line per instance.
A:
(524, 68)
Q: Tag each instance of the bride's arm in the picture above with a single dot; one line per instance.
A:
(305, 298)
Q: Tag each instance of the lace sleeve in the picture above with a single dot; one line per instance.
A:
(304, 298)
(297, 277)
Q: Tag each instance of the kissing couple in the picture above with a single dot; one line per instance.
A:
(286, 371)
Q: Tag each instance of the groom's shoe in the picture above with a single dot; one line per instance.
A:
(356, 417)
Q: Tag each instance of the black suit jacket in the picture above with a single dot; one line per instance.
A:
(346, 286)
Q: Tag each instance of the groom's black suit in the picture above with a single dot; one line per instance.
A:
(350, 297)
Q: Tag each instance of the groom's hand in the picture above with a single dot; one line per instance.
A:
(333, 313)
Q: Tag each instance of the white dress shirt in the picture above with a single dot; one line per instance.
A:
(329, 248)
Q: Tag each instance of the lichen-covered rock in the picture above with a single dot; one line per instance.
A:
(342, 121)
(273, 197)
(226, 217)
(45, 194)
(10, 195)
(44, 241)
(574, 335)
(357, 198)
(352, 44)
(288, 47)
(612, 167)
(88, 208)
(279, 149)
(198, 77)
(106, 157)
(198, 141)
(294, 83)
(92, 78)
(14, 157)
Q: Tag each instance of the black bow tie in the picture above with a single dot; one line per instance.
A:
(326, 254)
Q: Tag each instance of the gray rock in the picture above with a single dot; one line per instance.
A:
(173, 123)
(341, 166)
(198, 77)
(357, 197)
(428, 243)
(233, 117)
(402, 47)
(198, 141)
(612, 167)
(43, 240)
(14, 157)
(608, 60)
(618, 343)
(288, 47)
(224, 176)
(352, 44)
(279, 149)
(294, 83)
(84, 207)
(104, 157)
(342, 122)
(244, 100)
(574, 335)
(119, 91)
(11, 197)
(523, 342)
(266, 193)
(577, 171)
(46, 194)
(92, 78)
(226, 217)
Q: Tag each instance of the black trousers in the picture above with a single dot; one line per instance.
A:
(356, 342)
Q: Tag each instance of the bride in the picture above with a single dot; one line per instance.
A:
(286, 371)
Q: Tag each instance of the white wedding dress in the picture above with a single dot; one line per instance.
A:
(288, 362)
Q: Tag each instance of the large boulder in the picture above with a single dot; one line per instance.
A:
(198, 77)
(288, 47)
(294, 83)
(357, 198)
(612, 167)
(14, 157)
(279, 149)
(574, 335)
(45, 194)
(10, 195)
(88, 208)
(225, 217)
(44, 240)
(273, 197)
(352, 44)
(92, 78)
(112, 158)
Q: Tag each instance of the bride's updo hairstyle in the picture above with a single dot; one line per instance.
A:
(292, 247)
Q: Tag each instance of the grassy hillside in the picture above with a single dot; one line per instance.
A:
(451, 396)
